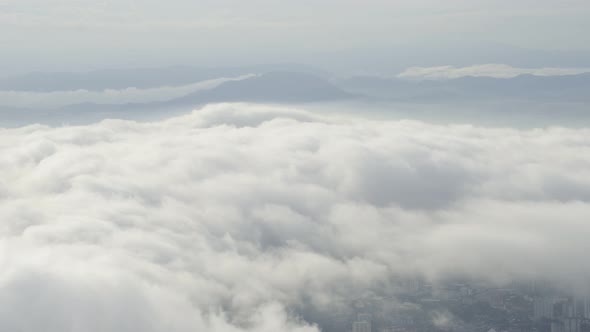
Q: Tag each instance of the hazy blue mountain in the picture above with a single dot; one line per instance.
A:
(521, 99)
(571, 88)
(280, 87)
(274, 87)
(287, 87)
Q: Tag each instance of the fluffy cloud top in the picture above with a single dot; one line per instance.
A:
(486, 70)
(238, 217)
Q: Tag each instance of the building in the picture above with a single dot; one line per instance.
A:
(361, 326)
(362, 323)
(544, 308)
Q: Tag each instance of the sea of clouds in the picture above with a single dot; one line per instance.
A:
(241, 217)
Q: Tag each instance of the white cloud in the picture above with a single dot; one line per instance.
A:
(235, 216)
(486, 70)
(55, 99)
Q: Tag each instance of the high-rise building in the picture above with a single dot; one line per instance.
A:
(582, 306)
(362, 323)
(568, 324)
(361, 326)
(568, 315)
(544, 308)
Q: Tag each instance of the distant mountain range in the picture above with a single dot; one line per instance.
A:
(570, 88)
(287, 87)
(273, 87)
(552, 94)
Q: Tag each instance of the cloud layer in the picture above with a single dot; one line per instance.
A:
(241, 217)
(486, 70)
(56, 99)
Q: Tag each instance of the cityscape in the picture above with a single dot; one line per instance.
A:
(468, 307)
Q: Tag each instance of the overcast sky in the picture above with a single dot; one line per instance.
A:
(82, 34)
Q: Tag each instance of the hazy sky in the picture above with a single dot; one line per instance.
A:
(69, 34)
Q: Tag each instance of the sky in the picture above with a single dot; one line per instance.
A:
(81, 34)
